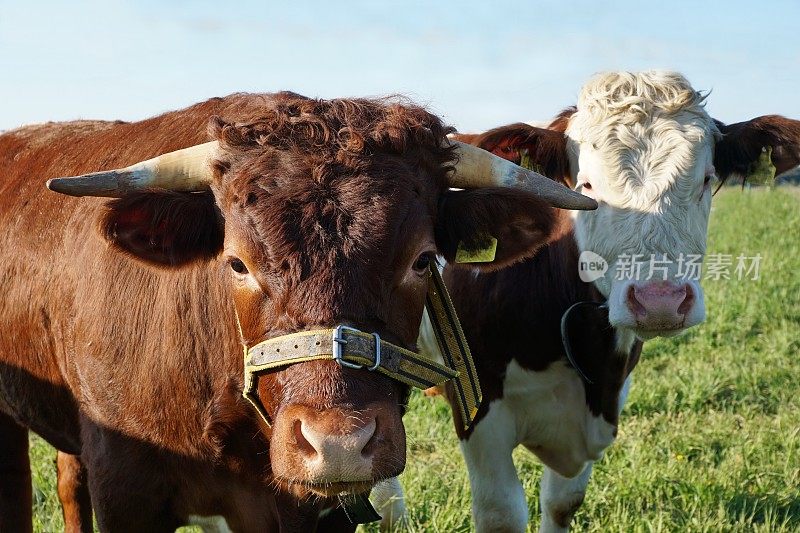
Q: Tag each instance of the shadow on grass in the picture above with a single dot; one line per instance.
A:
(765, 509)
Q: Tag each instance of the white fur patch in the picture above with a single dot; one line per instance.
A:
(498, 499)
(558, 496)
(388, 499)
(547, 413)
(644, 143)
(560, 430)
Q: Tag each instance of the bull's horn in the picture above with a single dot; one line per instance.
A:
(478, 168)
(184, 170)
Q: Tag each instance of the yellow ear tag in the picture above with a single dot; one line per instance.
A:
(484, 255)
(526, 162)
(762, 171)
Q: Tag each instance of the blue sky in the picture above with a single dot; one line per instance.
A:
(479, 64)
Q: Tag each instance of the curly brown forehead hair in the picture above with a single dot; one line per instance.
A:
(340, 136)
(326, 191)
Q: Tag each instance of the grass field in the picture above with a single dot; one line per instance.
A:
(710, 437)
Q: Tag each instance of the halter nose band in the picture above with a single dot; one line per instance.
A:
(347, 346)
(353, 348)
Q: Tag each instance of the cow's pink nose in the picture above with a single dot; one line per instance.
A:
(342, 454)
(660, 305)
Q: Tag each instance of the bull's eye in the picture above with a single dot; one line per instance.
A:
(706, 185)
(423, 262)
(238, 266)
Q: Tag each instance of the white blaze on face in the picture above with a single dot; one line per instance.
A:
(642, 146)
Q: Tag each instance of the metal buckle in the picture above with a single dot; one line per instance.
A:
(339, 341)
(377, 352)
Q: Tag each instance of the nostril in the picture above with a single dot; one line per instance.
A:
(372, 440)
(633, 303)
(303, 445)
(688, 300)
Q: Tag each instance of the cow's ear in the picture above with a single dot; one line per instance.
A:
(539, 149)
(164, 228)
(471, 221)
(742, 144)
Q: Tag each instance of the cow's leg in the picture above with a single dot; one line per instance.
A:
(122, 511)
(73, 492)
(560, 498)
(498, 499)
(16, 499)
(128, 483)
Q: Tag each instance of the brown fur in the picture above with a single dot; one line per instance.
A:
(164, 227)
(133, 360)
(561, 121)
(742, 144)
(518, 222)
(545, 147)
(74, 495)
(515, 313)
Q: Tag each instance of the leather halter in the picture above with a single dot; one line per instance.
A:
(349, 347)
(355, 349)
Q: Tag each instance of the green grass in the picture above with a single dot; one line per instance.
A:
(710, 437)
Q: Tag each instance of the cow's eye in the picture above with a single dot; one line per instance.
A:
(238, 266)
(423, 262)
(708, 181)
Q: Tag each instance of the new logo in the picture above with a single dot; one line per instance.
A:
(591, 266)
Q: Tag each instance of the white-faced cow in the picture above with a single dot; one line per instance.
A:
(124, 321)
(554, 353)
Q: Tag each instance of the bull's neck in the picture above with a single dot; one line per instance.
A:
(557, 265)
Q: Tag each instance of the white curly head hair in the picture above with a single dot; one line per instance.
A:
(642, 144)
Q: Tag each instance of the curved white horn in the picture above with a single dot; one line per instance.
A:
(184, 170)
(478, 168)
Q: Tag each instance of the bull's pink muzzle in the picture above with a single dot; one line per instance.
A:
(660, 305)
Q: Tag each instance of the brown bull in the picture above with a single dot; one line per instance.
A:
(124, 320)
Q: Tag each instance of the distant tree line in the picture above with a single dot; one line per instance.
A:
(792, 177)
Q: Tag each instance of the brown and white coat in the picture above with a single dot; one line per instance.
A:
(643, 146)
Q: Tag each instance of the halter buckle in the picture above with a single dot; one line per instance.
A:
(338, 348)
